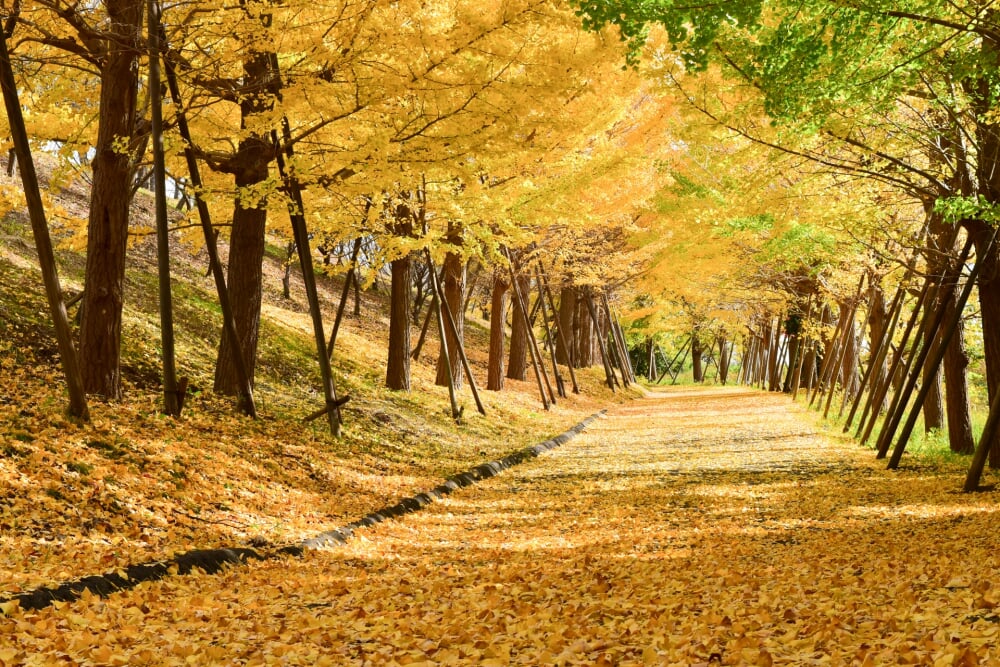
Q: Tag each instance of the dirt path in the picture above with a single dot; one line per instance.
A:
(694, 527)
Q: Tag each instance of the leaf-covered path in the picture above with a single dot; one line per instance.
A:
(696, 526)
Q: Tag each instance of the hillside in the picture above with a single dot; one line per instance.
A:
(134, 486)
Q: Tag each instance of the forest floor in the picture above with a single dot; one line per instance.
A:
(694, 526)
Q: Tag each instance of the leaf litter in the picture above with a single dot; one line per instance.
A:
(695, 527)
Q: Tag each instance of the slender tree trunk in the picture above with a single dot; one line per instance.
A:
(956, 358)
(286, 276)
(498, 306)
(107, 226)
(793, 327)
(565, 351)
(397, 371)
(877, 323)
(650, 359)
(517, 366)
(696, 351)
(989, 306)
(245, 277)
(43, 241)
(934, 403)
(773, 356)
(357, 293)
(246, 241)
(725, 356)
(454, 290)
(849, 369)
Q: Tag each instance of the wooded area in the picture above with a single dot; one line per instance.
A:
(532, 207)
(738, 196)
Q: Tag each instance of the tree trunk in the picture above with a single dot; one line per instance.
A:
(498, 306)
(246, 240)
(286, 276)
(849, 367)
(107, 225)
(565, 353)
(956, 358)
(725, 356)
(988, 181)
(773, 351)
(397, 370)
(793, 329)
(696, 351)
(934, 403)
(517, 366)
(650, 359)
(454, 291)
(43, 241)
(245, 275)
(877, 323)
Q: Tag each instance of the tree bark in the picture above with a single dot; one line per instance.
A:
(793, 327)
(107, 225)
(696, 351)
(650, 359)
(956, 358)
(565, 350)
(454, 290)
(245, 274)
(43, 241)
(934, 403)
(246, 241)
(773, 359)
(989, 306)
(988, 181)
(725, 356)
(498, 306)
(517, 366)
(877, 324)
(586, 336)
(397, 370)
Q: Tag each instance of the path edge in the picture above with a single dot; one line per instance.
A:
(213, 561)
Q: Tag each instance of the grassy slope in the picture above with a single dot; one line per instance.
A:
(133, 486)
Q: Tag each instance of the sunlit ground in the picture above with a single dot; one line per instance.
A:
(696, 527)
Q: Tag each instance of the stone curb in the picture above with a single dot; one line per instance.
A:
(211, 561)
(453, 483)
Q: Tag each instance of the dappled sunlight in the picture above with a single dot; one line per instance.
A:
(781, 549)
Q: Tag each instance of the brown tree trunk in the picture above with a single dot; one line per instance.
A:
(498, 306)
(40, 231)
(988, 181)
(793, 329)
(397, 370)
(107, 226)
(651, 359)
(933, 404)
(517, 366)
(956, 358)
(773, 350)
(245, 277)
(793, 356)
(877, 323)
(849, 370)
(454, 291)
(696, 351)
(725, 356)
(567, 312)
(989, 305)
(581, 335)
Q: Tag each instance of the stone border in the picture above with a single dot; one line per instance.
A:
(211, 561)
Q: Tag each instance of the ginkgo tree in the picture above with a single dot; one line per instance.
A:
(899, 94)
